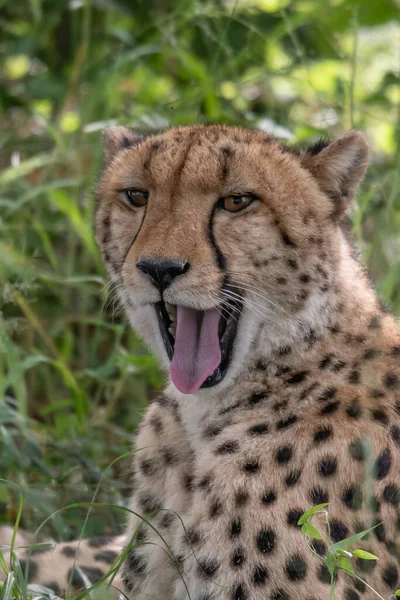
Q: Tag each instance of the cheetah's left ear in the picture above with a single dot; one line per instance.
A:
(117, 138)
(338, 168)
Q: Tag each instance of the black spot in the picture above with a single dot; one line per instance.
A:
(215, 509)
(205, 483)
(293, 516)
(208, 567)
(285, 350)
(296, 568)
(266, 540)
(354, 410)
(326, 361)
(327, 394)
(212, 431)
(319, 547)
(238, 557)
(107, 556)
(256, 398)
(390, 380)
(166, 520)
(354, 377)
(293, 264)
(359, 449)
(353, 497)
(391, 494)
(136, 563)
(330, 408)
(318, 496)
(69, 551)
(304, 278)
(251, 466)
(338, 366)
(390, 576)
(170, 456)
(375, 322)
(323, 574)
(149, 503)
(100, 540)
(285, 423)
(383, 464)
(286, 240)
(297, 377)
(371, 354)
(376, 393)
(284, 454)
(148, 466)
(322, 434)
(188, 482)
(229, 447)
(365, 566)
(339, 531)
(360, 586)
(53, 585)
(327, 467)
(293, 478)
(260, 429)
(260, 575)
(350, 594)
(92, 573)
(236, 527)
(268, 497)
(380, 416)
(396, 350)
(395, 433)
(239, 593)
(241, 498)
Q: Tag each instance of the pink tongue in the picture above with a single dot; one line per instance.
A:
(197, 352)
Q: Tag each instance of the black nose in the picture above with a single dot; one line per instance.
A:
(162, 272)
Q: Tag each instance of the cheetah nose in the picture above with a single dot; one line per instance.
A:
(162, 272)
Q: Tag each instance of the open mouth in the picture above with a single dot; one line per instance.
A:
(199, 343)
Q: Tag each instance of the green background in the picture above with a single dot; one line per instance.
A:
(74, 380)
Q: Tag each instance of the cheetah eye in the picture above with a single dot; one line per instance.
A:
(236, 203)
(136, 197)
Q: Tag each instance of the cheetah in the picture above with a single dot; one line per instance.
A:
(230, 255)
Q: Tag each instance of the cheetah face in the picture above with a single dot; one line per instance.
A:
(213, 235)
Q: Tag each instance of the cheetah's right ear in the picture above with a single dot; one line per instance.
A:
(338, 168)
(117, 138)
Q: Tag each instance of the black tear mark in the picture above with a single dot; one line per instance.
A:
(221, 262)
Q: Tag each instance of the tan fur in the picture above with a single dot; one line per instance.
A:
(223, 475)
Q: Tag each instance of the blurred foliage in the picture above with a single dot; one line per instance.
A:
(74, 379)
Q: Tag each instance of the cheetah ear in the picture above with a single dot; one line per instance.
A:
(338, 168)
(117, 138)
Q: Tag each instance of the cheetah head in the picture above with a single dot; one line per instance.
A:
(215, 236)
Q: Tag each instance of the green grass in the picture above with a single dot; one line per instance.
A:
(74, 380)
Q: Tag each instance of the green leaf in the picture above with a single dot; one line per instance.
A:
(397, 593)
(364, 554)
(309, 530)
(344, 544)
(344, 563)
(310, 512)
